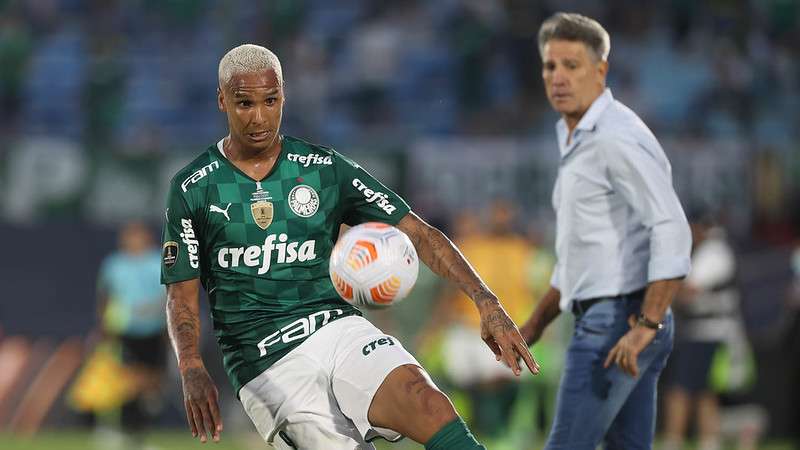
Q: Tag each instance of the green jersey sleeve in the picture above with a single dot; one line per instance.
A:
(364, 198)
(180, 240)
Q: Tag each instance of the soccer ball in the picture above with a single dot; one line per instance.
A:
(373, 265)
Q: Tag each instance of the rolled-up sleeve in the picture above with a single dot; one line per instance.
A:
(646, 184)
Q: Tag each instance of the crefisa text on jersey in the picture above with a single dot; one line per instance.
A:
(256, 255)
(190, 239)
(311, 158)
(381, 200)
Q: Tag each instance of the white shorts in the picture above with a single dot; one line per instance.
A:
(469, 361)
(318, 395)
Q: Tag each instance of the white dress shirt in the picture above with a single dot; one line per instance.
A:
(619, 224)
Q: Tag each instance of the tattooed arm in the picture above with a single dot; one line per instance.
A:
(441, 255)
(200, 396)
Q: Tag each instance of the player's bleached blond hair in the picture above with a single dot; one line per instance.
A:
(248, 58)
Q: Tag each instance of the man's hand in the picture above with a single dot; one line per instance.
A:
(201, 399)
(531, 333)
(546, 311)
(627, 350)
(503, 337)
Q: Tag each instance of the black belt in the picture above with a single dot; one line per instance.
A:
(579, 307)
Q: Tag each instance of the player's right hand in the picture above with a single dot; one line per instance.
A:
(201, 399)
(502, 336)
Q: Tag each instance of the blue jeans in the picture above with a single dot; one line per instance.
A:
(597, 405)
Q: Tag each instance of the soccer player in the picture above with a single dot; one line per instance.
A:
(253, 219)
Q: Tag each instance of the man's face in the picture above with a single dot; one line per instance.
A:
(253, 103)
(573, 77)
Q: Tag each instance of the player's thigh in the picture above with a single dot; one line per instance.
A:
(317, 424)
(363, 360)
(294, 398)
(309, 431)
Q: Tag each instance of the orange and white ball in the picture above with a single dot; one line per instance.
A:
(374, 265)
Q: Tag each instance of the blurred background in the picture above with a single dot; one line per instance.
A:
(101, 101)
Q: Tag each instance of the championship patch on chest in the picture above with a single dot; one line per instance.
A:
(261, 207)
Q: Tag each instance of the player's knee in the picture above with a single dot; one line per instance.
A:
(409, 396)
(434, 407)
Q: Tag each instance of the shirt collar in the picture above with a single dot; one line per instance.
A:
(587, 123)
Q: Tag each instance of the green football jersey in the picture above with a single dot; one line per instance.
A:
(261, 248)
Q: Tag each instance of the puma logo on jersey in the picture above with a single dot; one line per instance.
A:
(307, 160)
(190, 239)
(199, 174)
(217, 209)
(380, 199)
(261, 255)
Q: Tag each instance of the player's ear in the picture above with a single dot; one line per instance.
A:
(220, 100)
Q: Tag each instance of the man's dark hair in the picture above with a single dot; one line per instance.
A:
(575, 27)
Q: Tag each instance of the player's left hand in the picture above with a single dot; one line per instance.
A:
(201, 400)
(502, 336)
(626, 351)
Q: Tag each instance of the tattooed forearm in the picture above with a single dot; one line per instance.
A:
(184, 330)
(445, 260)
(183, 324)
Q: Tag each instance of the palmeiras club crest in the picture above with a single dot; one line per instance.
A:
(303, 200)
(261, 208)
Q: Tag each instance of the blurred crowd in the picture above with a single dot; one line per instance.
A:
(125, 74)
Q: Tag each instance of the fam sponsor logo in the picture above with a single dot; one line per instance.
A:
(190, 239)
(299, 329)
(312, 158)
(199, 174)
(380, 199)
(369, 348)
(261, 255)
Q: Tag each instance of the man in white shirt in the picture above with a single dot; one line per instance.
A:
(622, 247)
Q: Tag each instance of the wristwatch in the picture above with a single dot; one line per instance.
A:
(645, 322)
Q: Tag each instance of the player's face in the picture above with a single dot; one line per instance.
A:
(253, 103)
(573, 77)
